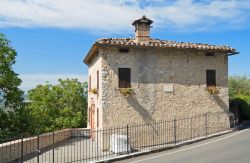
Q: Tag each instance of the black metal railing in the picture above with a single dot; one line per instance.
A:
(86, 145)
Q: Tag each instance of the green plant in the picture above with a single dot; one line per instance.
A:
(213, 90)
(244, 103)
(59, 106)
(126, 91)
(238, 85)
(94, 91)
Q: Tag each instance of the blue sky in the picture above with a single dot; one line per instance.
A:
(52, 37)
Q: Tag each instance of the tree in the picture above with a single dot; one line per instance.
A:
(238, 85)
(58, 106)
(85, 89)
(239, 93)
(10, 94)
(11, 101)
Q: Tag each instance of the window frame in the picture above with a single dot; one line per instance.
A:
(97, 79)
(125, 82)
(89, 84)
(211, 77)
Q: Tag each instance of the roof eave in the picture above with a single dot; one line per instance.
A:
(230, 52)
(90, 54)
(233, 53)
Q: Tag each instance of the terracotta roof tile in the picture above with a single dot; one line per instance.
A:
(164, 44)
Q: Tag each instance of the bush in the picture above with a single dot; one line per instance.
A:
(244, 103)
(238, 85)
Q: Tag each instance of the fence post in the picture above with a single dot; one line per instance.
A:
(206, 129)
(191, 128)
(38, 152)
(22, 149)
(53, 147)
(127, 141)
(174, 131)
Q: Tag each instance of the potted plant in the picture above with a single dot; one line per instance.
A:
(94, 91)
(213, 90)
(126, 91)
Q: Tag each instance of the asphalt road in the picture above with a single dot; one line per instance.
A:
(229, 148)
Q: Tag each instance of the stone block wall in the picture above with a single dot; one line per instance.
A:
(152, 70)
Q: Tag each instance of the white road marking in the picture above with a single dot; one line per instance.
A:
(240, 132)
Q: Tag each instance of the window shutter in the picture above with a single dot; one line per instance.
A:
(211, 77)
(124, 75)
(97, 79)
(89, 83)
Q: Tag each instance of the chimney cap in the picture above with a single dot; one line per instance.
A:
(144, 19)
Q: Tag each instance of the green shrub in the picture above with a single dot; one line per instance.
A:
(244, 102)
(238, 85)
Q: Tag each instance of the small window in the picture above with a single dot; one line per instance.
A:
(124, 77)
(124, 50)
(89, 83)
(210, 54)
(97, 79)
(211, 77)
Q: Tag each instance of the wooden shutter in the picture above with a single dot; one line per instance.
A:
(89, 83)
(124, 75)
(97, 79)
(211, 77)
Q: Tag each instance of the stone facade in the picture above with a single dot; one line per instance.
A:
(152, 69)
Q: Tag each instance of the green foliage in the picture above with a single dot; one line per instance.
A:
(52, 107)
(10, 94)
(244, 102)
(58, 106)
(11, 101)
(239, 92)
(238, 85)
(85, 89)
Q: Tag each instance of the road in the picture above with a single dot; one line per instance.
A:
(229, 148)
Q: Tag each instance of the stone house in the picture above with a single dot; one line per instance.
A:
(143, 80)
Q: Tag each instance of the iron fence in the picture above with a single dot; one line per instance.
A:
(86, 145)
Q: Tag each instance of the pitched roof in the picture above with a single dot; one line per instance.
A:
(157, 43)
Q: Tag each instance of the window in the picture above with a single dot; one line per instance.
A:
(89, 83)
(97, 79)
(124, 77)
(124, 50)
(211, 78)
(210, 54)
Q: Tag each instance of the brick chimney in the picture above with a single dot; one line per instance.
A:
(142, 29)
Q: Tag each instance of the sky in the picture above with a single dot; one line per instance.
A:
(52, 37)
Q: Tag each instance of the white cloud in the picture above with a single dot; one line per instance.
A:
(117, 15)
(32, 80)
